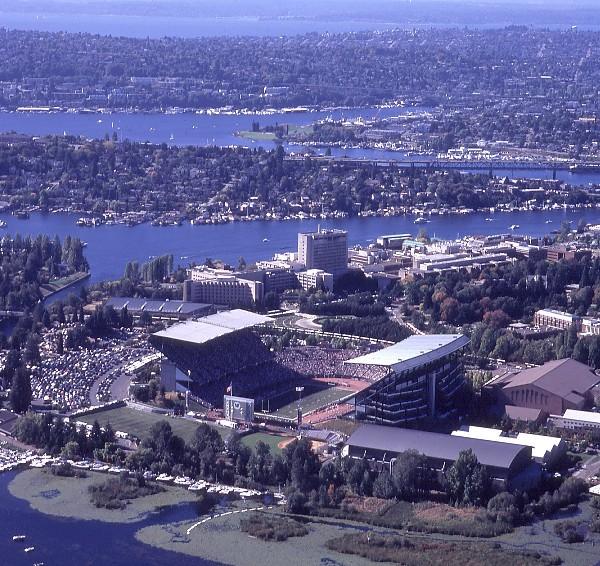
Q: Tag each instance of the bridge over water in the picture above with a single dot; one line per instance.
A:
(447, 164)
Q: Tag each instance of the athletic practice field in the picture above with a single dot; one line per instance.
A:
(138, 423)
(273, 440)
(286, 404)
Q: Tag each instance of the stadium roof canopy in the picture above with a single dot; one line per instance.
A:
(414, 351)
(433, 445)
(213, 326)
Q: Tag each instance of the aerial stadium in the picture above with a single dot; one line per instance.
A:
(233, 353)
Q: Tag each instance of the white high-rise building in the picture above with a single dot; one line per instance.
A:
(325, 249)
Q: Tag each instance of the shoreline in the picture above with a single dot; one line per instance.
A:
(68, 497)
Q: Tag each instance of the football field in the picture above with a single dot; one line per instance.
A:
(286, 404)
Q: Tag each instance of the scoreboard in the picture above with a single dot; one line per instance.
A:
(238, 409)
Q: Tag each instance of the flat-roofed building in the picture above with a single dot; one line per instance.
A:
(393, 241)
(161, 310)
(556, 319)
(325, 249)
(509, 465)
(547, 450)
(315, 279)
(573, 419)
(424, 378)
(223, 289)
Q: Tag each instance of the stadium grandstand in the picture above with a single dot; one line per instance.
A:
(233, 352)
(422, 379)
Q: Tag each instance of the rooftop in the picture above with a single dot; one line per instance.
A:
(213, 326)
(540, 445)
(586, 416)
(414, 351)
(566, 378)
(152, 306)
(434, 445)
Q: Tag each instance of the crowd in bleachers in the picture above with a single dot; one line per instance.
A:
(216, 359)
(66, 379)
(280, 369)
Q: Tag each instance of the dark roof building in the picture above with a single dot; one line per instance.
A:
(553, 387)
(8, 420)
(383, 445)
(164, 310)
(524, 414)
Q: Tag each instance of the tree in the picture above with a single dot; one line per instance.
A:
(410, 475)
(20, 392)
(503, 508)
(466, 480)
(384, 487)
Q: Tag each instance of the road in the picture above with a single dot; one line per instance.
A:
(590, 468)
(396, 314)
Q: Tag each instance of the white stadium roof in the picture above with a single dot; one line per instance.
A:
(414, 351)
(213, 326)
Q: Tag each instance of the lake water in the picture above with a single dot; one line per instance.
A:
(202, 129)
(69, 542)
(111, 247)
(160, 26)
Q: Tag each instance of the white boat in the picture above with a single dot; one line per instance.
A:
(421, 220)
(489, 219)
(265, 240)
(165, 478)
(548, 221)
(514, 226)
(3, 224)
(19, 538)
(30, 549)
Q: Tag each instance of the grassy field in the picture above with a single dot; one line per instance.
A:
(271, 439)
(263, 136)
(288, 402)
(138, 423)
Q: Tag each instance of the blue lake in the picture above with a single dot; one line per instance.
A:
(203, 129)
(69, 542)
(111, 247)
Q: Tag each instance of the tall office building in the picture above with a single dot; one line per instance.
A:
(324, 249)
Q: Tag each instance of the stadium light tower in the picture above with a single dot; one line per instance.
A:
(299, 390)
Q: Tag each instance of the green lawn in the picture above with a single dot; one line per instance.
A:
(312, 401)
(139, 423)
(271, 439)
(263, 136)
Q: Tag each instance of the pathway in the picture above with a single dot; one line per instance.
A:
(206, 519)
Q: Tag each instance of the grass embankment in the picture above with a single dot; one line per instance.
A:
(423, 517)
(411, 552)
(139, 423)
(271, 527)
(69, 497)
